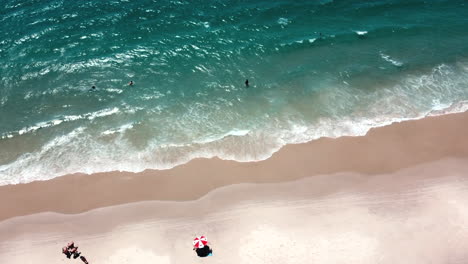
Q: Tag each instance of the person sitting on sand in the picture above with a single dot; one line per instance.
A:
(73, 250)
(71, 247)
(66, 252)
(205, 251)
(76, 255)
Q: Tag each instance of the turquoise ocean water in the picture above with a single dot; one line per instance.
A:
(316, 68)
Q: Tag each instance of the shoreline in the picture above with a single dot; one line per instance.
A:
(24, 175)
(382, 150)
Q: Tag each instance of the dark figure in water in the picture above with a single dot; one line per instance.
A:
(130, 83)
(247, 83)
(93, 87)
(204, 251)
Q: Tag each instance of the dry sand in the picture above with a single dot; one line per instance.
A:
(396, 195)
(416, 215)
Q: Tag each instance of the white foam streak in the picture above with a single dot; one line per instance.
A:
(392, 61)
(39, 126)
(55, 122)
(120, 129)
(232, 133)
(443, 109)
(283, 21)
(39, 163)
(102, 113)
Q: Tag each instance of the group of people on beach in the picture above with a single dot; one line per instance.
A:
(72, 250)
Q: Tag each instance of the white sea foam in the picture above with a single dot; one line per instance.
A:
(37, 21)
(213, 138)
(3, 100)
(203, 68)
(443, 109)
(361, 33)
(391, 60)
(58, 121)
(6, 135)
(296, 42)
(238, 133)
(33, 166)
(154, 96)
(35, 35)
(120, 129)
(283, 21)
(40, 125)
(113, 90)
(437, 105)
(102, 113)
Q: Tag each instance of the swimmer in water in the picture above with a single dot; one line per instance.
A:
(247, 83)
(130, 83)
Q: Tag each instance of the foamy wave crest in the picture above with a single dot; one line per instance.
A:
(39, 126)
(33, 166)
(56, 122)
(361, 33)
(392, 61)
(444, 109)
(283, 21)
(120, 129)
(297, 42)
(234, 133)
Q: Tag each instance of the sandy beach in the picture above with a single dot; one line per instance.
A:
(397, 195)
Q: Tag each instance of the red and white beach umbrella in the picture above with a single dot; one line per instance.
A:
(200, 242)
